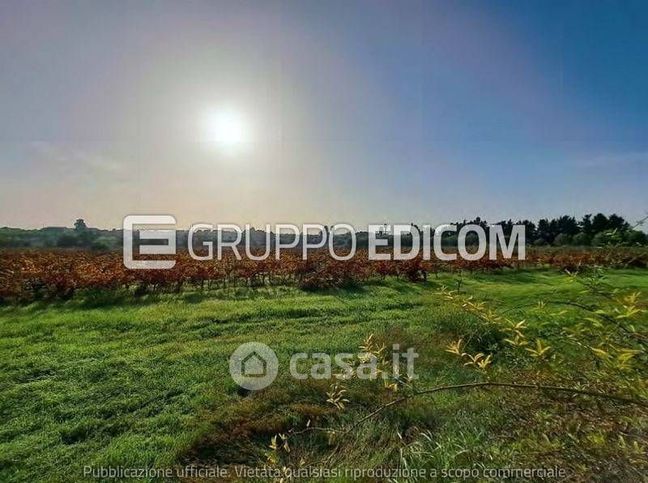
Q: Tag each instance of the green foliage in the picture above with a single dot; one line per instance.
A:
(635, 237)
(67, 241)
(563, 239)
(582, 239)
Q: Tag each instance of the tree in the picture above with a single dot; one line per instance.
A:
(80, 225)
(544, 231)
(616, 222)
(635, 237)
(567, 225)
(562, 239)
(581, 239)
(599, 223)
(608, 237)
(586, 225)
(67, 240)
(530, 230)
(85, 235)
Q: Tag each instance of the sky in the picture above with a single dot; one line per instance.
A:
(351, 111)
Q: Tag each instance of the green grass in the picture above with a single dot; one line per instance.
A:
(112, 380)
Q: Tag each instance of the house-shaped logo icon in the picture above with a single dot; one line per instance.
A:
(253, 365)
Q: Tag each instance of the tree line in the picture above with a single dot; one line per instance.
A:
(590, 230)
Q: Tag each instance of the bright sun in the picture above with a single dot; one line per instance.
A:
(227, 129)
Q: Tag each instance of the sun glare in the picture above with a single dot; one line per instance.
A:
(227, 129)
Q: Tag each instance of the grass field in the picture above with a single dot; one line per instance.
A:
(114, 380)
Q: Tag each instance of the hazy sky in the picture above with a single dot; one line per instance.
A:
(355, 112)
